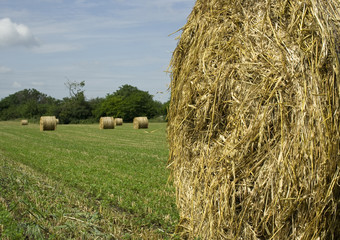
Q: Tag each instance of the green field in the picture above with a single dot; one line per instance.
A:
(82, 182)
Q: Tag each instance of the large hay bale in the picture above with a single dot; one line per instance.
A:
(140, 122)
(48, 123)
(254, 120)
(24, 122)
(107, 123)
(119, 121)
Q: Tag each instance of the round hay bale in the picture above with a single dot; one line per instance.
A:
(140, 122)
(24, 122)
(119, 121)
(107, 123)
(57, 120)
(48, 123)
(253, 124)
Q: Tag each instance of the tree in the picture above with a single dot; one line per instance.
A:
(75, 107)
(27, 103)
(165, 108)
(129, 102)
(110, 106)
(95, 105)
(126, 90)
(74, 88)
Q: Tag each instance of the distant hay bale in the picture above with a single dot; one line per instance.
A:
(119, 121)
(253, 122)
(24, 122)
(57, 120)
(140, 122)
(107, 123)
(48, 123)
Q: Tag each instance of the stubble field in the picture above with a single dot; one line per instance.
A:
(82, 182)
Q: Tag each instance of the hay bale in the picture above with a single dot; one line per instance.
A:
(253, 123)
(48, 123)
(24, 122)
(57, 120)
(107, 123)
(140, 122)
(119, 121)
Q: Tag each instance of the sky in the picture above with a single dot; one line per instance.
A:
(106, 43)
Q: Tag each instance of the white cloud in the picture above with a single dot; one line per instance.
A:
(13, 34)
(4, 69)
(16, 85)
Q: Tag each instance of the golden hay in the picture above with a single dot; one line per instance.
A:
(48, 123)
(57, 120)
(24, 122)
(119, 121)
(107, 123)
(253, 123)
(140, 122)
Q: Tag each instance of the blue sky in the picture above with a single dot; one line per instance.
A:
(106, 43)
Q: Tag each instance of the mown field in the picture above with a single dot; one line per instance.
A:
(83, 182)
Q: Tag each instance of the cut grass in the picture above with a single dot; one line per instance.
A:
(9, 229)
(82, 180)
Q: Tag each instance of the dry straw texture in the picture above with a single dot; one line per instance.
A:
(119, 121)
(254, 120)
(24, 122)
(107, 123)
(140, 122)
(48, 123)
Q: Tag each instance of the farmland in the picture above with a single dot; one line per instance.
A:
(80, 181)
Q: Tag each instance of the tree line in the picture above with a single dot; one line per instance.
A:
(127, 102)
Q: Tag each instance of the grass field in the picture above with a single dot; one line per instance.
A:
(83, 182)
